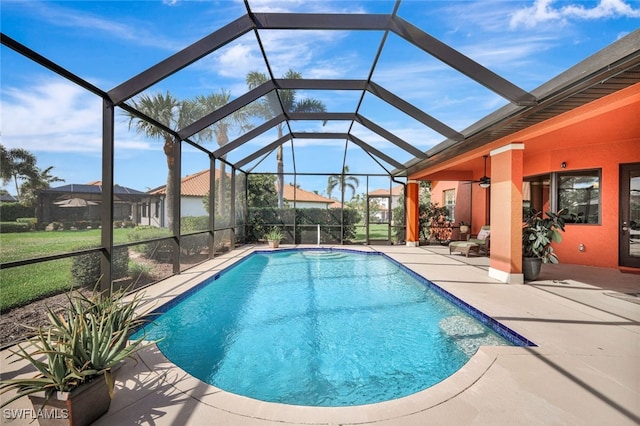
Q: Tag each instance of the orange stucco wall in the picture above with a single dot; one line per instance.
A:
(600, 135)
(506, 219)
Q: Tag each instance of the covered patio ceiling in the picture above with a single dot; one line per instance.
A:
(390, 151)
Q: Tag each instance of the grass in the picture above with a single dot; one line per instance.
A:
(27, 245)
(21, 285)
(376, 232)
(24, 284)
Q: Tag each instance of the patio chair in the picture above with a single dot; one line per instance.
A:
(479, 243)
(483, 239)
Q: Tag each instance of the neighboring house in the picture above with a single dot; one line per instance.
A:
(196, 186)
(193, 189)
(87, 199)
(382, 197)
(305, 199)
(8, 198)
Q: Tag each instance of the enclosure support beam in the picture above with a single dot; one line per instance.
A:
(106, 233)
(212, 206)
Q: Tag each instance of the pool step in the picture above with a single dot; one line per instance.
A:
(468, 334)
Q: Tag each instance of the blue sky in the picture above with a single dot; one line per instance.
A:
(106, 43)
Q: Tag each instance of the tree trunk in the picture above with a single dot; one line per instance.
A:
(222, 140)
(171, 190)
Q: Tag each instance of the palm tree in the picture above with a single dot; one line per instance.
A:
(221, 129)
(343, 182)
(269, 107)
(173, 113)
(17, 164)
(42, 180)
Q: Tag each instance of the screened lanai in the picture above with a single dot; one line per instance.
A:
(268, 106)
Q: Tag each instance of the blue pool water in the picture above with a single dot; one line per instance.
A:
(320, 328)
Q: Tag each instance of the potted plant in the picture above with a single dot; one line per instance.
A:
(537, 235)
(273, 237)
(75, 355)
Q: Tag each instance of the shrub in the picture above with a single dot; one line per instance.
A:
(194, 223)
(260, 220)
(12, 211)
(154, 249)
(85, 269)
(9, 227)
(31, 221)
(140, 271)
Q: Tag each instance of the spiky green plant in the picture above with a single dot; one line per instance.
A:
(85, 341)
(274, 234)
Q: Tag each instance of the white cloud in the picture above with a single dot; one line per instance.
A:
(57, 116)
(544, 11)
(236, 60)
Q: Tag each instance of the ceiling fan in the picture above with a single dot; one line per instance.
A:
(484, 181)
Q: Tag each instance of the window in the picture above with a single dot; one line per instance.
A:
(579, 194)
(449, 202)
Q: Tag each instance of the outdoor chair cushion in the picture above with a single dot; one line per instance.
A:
(482, 239)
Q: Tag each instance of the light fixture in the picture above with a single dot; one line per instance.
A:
(563, 165)
(485, 181)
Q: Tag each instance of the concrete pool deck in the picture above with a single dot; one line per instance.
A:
(584, 371)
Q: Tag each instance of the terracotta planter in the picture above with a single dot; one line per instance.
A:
(273, 243)
(464, 229)
(80, 407)
(531, 268)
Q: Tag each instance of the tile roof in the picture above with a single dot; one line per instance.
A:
(395, 191)
(195, 185)
(306, 196)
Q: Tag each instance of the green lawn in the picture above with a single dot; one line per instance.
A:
(376, 232)
(23, 284)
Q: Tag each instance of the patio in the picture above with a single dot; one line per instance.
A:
(584, 370)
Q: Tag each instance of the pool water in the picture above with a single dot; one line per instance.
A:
(319, 328)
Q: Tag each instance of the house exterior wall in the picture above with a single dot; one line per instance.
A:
(308, 205)
(601, 135)
(192, 206)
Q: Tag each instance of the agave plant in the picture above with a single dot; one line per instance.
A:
(85, 341)
(275, 234)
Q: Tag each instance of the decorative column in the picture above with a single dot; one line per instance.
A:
(412, 212)
(506, 213)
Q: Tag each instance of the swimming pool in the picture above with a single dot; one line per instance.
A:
(322, 328)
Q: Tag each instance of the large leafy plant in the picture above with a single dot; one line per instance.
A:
(538, 233)
(85, 341)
